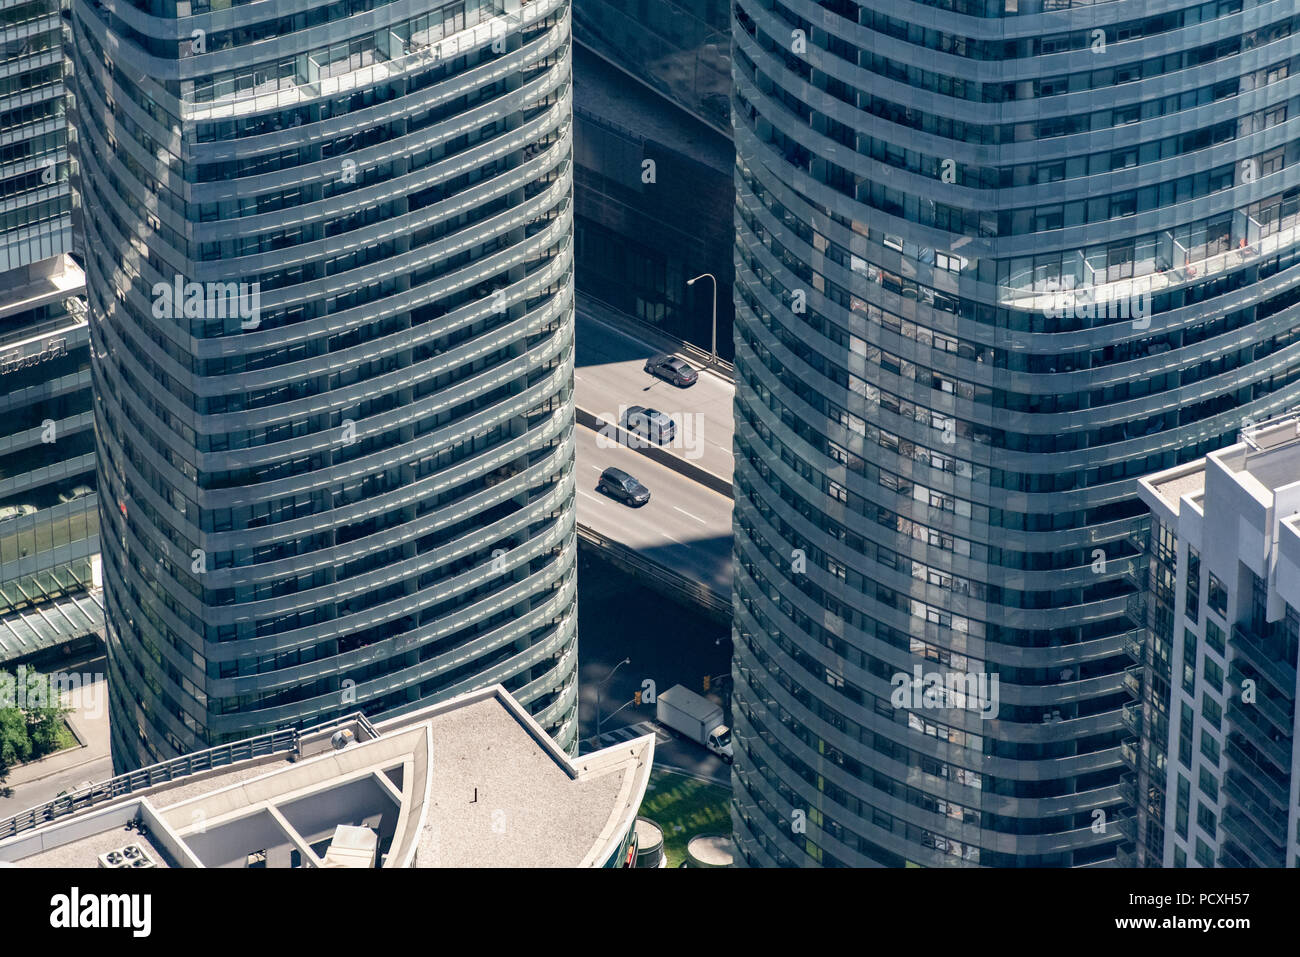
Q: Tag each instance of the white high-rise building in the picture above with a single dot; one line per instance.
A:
(1225, 536)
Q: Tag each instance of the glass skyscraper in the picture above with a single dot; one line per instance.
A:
(48, 508)
(329, 272)
(995, 260)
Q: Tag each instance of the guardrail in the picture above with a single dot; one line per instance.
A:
(657, 575)
(670, 343)
(124, 784)
(655, 453)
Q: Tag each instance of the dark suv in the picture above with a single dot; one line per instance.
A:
(672, 369)
(618, 484)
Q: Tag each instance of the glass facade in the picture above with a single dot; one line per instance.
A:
(48, 508)
(49, 521)
(35, 193)
(681, 48)
(653, 207)
(329, 258)
(990, 269)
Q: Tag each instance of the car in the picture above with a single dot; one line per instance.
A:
(76, 492)
(650, 424)
(8, 512)
(672, 369)
(618, 484)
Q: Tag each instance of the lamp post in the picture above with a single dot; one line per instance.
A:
(603, 681)
(691, 282)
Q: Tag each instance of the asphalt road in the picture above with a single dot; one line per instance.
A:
(609, 376)
(667, 643)
(685, 526)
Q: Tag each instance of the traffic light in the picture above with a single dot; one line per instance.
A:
(706, 682)
(636, 698)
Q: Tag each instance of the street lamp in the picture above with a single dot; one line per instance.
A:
(603, 681)
(691, 282)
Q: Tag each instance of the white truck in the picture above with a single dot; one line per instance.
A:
(694, 717)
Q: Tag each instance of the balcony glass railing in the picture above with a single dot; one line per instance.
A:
(1270, 817)
(1034, 296)
(1266, 704)
(1266, 660)
(1255, 842)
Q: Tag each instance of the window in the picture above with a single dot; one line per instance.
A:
(1212, 712)
(1209, 785)
(1213, 675)
(1210, 747)
(1183, 803)
(1189, 661)
(1180, 857)
(1207, 819)
(1185, 735)
(1214, 637)
(1204, 856)
(1193, 604)
(1218, 596)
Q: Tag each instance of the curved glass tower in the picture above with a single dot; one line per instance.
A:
(331, 305)
(995, 259)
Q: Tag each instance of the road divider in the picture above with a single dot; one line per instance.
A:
(655, 453)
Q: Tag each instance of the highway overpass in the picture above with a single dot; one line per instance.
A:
(681, 539)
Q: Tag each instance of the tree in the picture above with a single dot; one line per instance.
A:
(31, 723)
(15, 743)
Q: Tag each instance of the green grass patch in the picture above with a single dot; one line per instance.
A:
(64, 738)
(694, 806)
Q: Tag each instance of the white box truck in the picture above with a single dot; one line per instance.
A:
(694, 717)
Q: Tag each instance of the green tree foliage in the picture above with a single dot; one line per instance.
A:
(31, 720)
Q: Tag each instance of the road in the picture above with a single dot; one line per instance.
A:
(34, 784)
(609, 375)
(685, 526)
(667, 643)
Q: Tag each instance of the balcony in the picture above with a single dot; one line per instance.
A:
(1265, 704)
(1135, 607)
(1258, 846)
(1128, 827)
(1273, 743)
(1270, 818)
(1128, 753)
(1131, 715)
(1264, 779)
(1128, 788)
(1133, 680)
(1134, 643)
(1255, 650)
(1271, 751)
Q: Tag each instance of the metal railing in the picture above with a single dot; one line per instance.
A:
(675, 583)
(223, 755)
(696, 355)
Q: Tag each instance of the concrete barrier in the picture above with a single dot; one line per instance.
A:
(654, 452)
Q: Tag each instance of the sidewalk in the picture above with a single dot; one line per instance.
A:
(89, 722)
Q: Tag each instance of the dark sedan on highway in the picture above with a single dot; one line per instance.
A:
(672, 369)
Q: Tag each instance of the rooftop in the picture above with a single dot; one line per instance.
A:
(472, 782)
(1266, 460)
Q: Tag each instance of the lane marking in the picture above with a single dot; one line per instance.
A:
(689, 515)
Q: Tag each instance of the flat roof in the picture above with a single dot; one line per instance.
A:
(472, 782)
(1175, 487)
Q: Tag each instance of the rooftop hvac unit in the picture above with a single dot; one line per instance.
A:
(133, 855)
